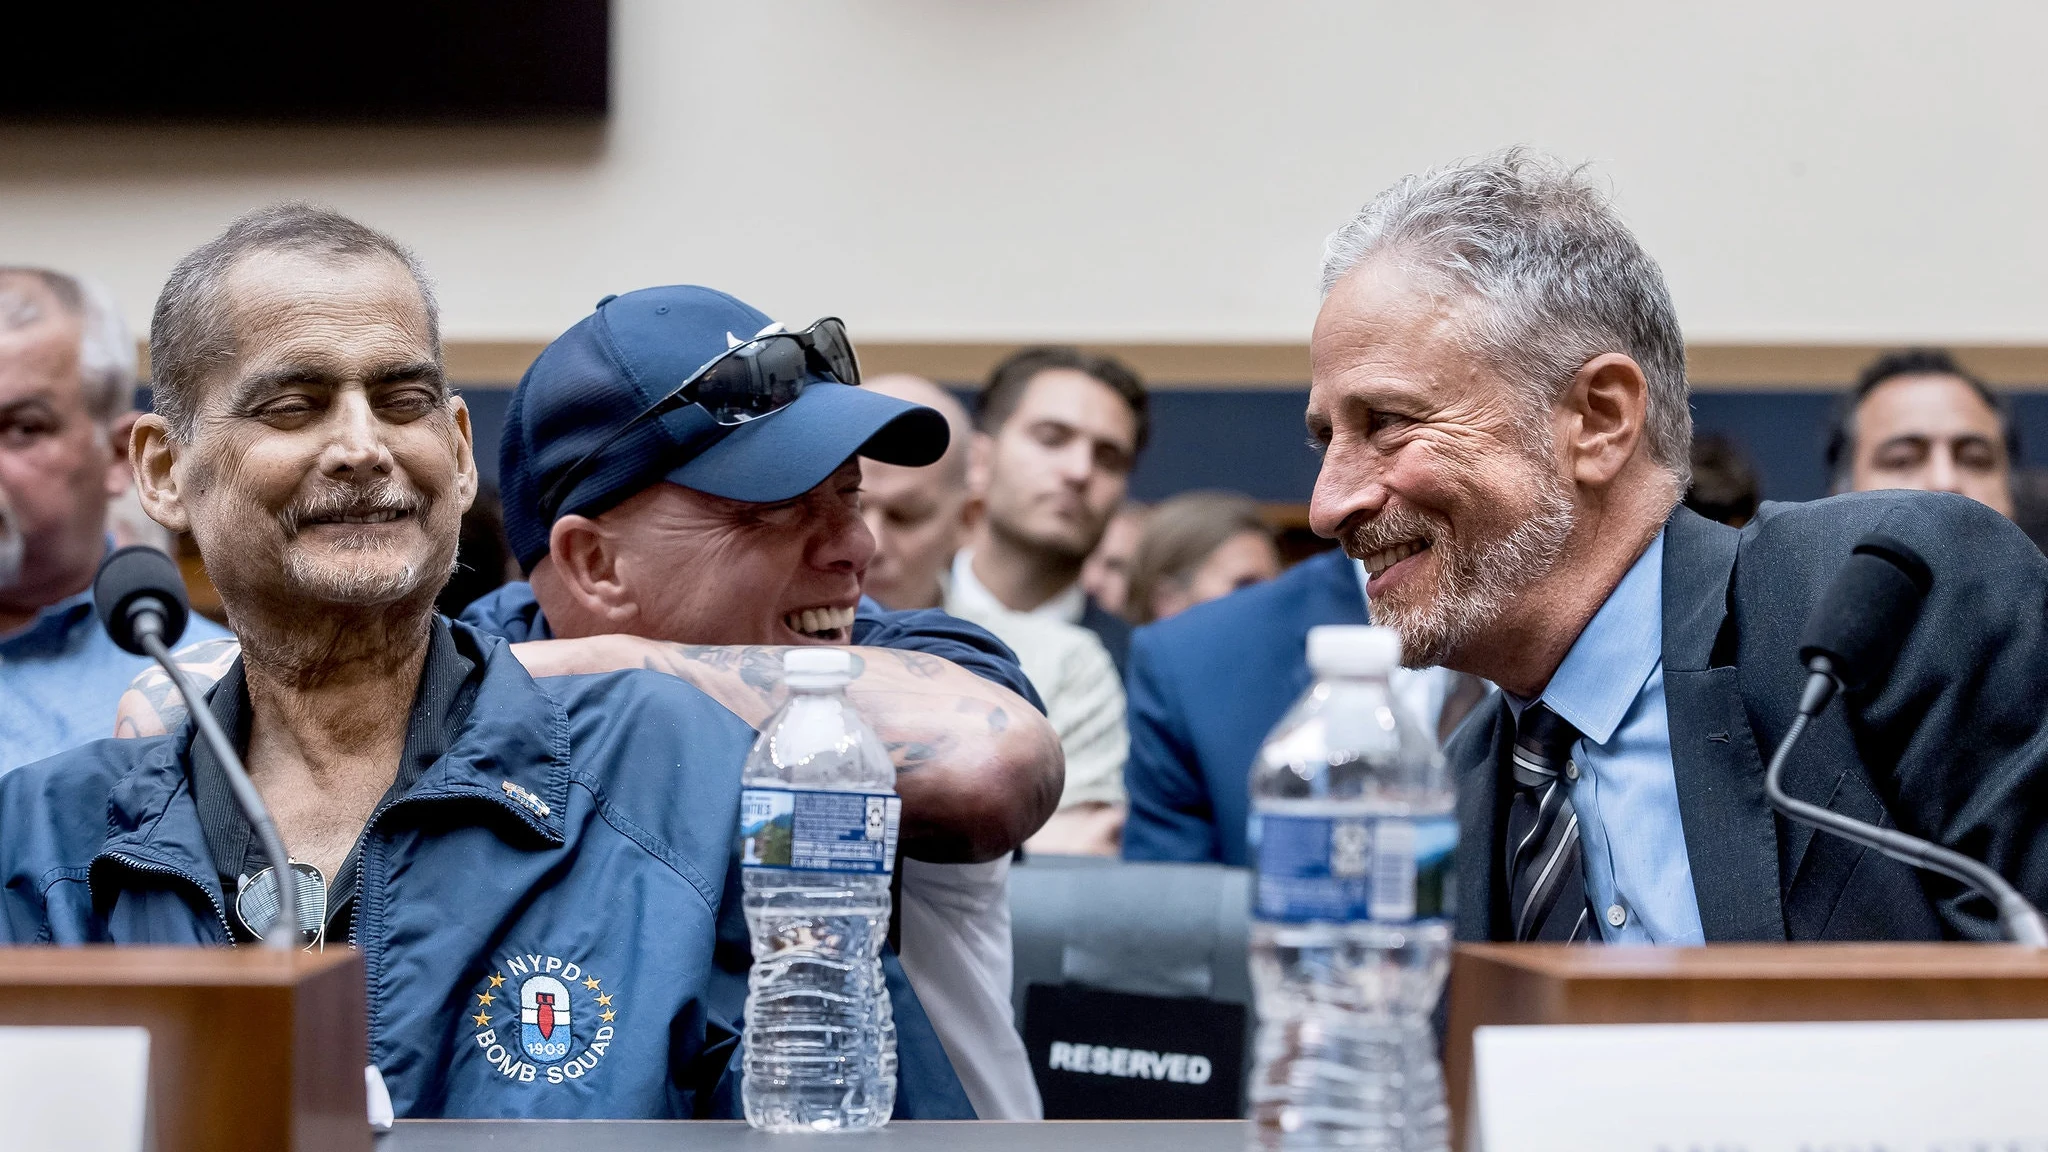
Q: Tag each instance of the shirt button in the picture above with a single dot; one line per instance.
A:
(1617, 915)
(1571, 769)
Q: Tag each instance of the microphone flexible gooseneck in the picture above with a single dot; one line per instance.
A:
(140, 596)
(1851, 640)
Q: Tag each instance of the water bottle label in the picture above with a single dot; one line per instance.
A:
(1345, 868)
(818, 830)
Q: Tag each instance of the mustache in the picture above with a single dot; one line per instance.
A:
(358, 500)
(1393, 524)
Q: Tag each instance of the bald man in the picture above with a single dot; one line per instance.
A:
(919, 518)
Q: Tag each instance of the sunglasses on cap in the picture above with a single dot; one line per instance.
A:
(747, 381)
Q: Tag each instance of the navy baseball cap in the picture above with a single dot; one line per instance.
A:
(636, 349)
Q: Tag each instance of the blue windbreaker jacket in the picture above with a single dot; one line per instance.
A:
(926, 1086)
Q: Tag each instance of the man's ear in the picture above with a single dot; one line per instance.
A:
(120, 474)
(1604, 414)
(465, 452)
(153, 457)
(584, 557)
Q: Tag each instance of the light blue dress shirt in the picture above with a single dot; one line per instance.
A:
(61, 678)
(1611, 688)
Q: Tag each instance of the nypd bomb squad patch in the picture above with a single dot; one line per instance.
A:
(543, 1018)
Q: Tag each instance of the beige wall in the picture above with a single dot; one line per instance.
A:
(1165, 171)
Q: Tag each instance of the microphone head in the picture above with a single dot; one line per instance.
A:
(128, 577)
(1862, 620)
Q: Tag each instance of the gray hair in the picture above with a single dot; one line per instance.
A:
(1561, 278)
(106, 349)
(192, 331)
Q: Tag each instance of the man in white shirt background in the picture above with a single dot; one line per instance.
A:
(918, 517)
(1060, 430)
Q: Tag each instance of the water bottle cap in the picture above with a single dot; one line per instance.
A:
(816, 666)
(1353, 650)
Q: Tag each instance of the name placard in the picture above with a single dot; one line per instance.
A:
(1921, 1086)
(73, 1089)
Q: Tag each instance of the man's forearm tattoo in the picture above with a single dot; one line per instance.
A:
(910, 755)
(204, 663)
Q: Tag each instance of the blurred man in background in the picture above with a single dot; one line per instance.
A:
(1916, 419)
(1106, 576)
(919, 517)
(1060, 432)
(67, 385)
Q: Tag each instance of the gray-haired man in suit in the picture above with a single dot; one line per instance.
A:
(1499, 384)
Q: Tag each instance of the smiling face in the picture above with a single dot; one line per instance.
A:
(1059, 466)
(700, 569)
(326, 458)
(1434, 473)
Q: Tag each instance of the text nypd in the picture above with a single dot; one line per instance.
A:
(1097, 1060)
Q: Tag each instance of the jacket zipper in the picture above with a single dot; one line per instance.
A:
(220, 914)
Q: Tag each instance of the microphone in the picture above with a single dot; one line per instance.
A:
(1851, 640)
(140, 597)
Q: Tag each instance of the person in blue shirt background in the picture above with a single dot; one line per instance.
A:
(1206, 686)
(67, 375)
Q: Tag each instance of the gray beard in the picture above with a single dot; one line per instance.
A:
(1479, 580)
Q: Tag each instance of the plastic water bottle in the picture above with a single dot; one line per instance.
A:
(1354, 836)
(818, 823)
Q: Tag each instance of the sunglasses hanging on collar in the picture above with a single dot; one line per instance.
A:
(256, 904)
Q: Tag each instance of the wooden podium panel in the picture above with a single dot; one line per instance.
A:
(1730, 983)
(229, 1029)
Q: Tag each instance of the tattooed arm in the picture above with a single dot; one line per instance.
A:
(152, 706)
(979, 768)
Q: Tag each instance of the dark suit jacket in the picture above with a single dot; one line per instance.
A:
(1204, 688)
(1951, 747)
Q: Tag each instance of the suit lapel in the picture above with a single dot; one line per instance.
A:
(1731, 837)
(1474, 757)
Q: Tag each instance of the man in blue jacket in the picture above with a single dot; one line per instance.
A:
(1206, 686)
(491, 845)
(629, 458)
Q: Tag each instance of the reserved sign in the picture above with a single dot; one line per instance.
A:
(1101, 1055)
(1920, 1086)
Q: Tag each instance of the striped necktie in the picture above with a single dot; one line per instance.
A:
(1545, 883)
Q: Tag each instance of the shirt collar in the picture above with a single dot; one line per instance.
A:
(1624, 642)
(1069, 606)
(53, 623)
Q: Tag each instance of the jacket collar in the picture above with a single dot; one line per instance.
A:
(511, 754)
(1731, 835)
